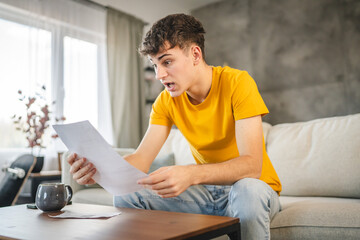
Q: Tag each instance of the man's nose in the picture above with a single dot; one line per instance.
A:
(160, 73)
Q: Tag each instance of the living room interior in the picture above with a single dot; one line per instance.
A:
(79, 59)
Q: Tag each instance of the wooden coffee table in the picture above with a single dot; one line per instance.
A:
(18, 222)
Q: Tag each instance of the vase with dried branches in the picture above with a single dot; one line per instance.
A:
(35, 122)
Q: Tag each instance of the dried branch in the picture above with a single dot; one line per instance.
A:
(37, 118)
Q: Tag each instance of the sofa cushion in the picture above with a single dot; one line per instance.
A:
(124, 151)
(181, 149)
(162, 161)
(317, 158)
(93, 196)
(317, 218)
(266, 128)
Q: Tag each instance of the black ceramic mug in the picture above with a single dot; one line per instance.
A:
(52, 196)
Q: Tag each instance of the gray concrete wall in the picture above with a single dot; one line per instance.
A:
(304, 55)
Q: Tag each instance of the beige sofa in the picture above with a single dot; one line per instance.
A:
(318, 163)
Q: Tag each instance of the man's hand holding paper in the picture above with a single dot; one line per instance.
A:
(81, 170)
(96, 161)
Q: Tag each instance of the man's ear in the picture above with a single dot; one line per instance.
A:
(196, 54)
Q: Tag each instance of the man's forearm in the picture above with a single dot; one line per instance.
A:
(138, 162)
(226, 173)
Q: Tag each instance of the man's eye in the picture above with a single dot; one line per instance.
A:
(167, 62)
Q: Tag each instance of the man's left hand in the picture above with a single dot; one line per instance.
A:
(169, 181)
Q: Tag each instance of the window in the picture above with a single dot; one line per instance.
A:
(80, 81)
(53, 43)
(25, 64)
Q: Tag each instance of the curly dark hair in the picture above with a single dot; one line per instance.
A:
(178, 30)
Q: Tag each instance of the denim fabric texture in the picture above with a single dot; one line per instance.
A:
(251, 200)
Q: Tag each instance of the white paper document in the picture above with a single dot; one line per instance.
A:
(114, 173)
(69, 214)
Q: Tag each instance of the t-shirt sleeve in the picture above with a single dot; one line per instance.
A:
(160, 114)
(246, 99)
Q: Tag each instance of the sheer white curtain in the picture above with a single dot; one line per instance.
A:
(60, 44)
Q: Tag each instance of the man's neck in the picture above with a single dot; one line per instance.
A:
(198, 92)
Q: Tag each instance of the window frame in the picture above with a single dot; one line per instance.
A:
(59, 30)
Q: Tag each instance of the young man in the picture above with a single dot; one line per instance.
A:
(218, 110)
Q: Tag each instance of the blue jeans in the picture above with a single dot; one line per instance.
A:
(251, 200)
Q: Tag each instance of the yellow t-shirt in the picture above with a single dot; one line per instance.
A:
(209, 127)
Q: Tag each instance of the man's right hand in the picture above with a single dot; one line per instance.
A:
(82, 172)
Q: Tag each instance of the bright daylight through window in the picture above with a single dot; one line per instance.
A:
(27, 54)
(80, 80)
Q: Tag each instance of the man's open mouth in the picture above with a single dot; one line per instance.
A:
(169, 85)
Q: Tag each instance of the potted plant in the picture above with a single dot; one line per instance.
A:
(34, 123)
